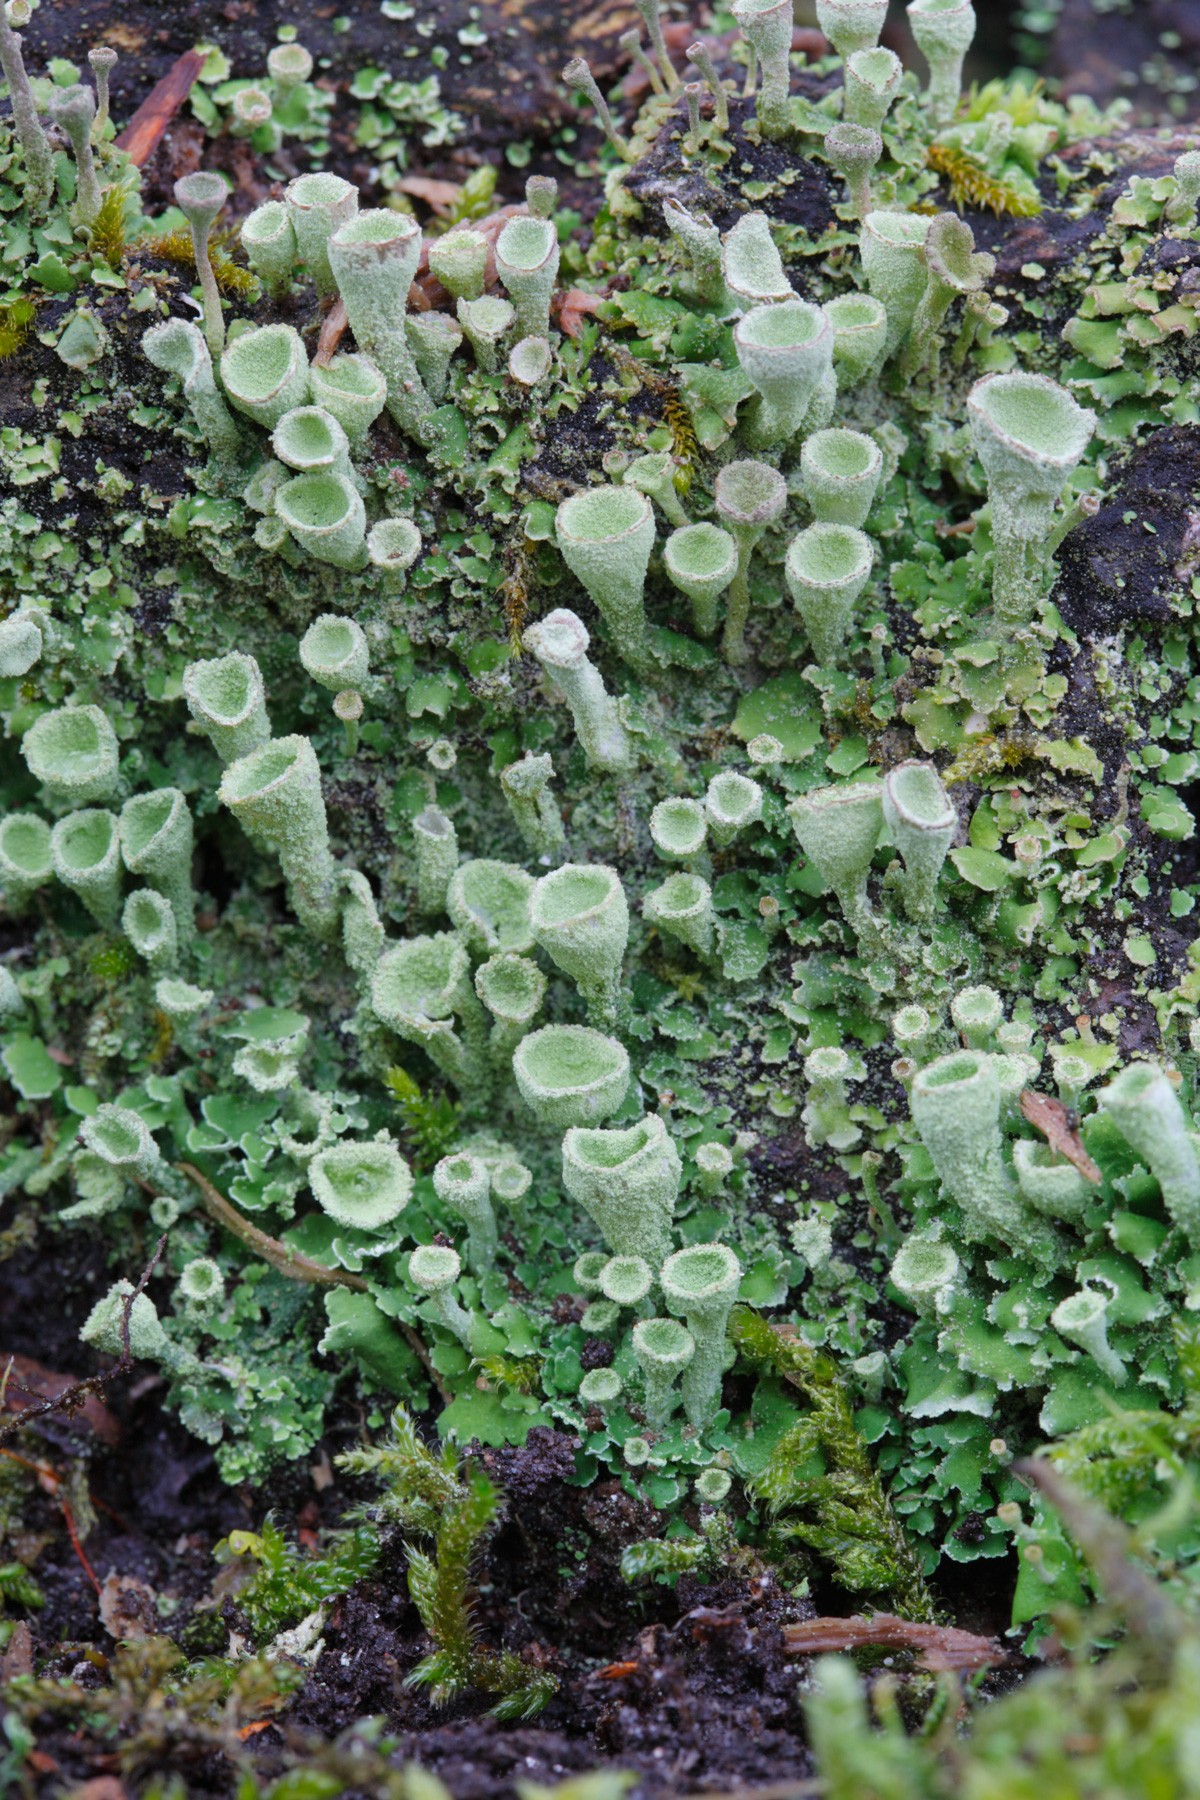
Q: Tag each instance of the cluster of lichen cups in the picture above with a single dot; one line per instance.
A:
(801, 362)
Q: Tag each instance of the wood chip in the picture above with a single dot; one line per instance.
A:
(1052, 1119)
(937, 1647)
(144, 132)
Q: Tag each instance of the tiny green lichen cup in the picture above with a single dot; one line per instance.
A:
(1143, 1105)
(433, 1270)
(701, 561)
(149, 924)
(362, 1186)
(310, 440)
(570, 1075)
(606, 535)
(922, 821)
(663, 1348)
(156, 842)
(859, 323)
(682, 907)
(977, 1012)
(679, 829)
(122, 1139)
(374, 258)
(626, 1280)
(750, 497)
(86, 848)
(627, 1181)
(767, 27)
(1030, 434)
(436, 844)
(827, 568)
(838, 828)
(1083, 1318)
(854, 151)
(840, 472)
(580, 918)
(851, 25)
(335, 652)
(393, 546)
(73, 753)
(352, 390)
(786, 350)
(420, 988)
(275, 792)
(944, 30)
(528, 789)
(527, 264)
(872, 81)
(269, 241)
(1050, 1184)
(751, 267)
(317, 204)
(956, 1107)
(26, 859)
(463, 1185)
(700, 1285)
(265, 373)
(326, 517)
(926, 1272)
(512, 989)
(459, 261)
(732, 804)
(486, 322)
(489, 902)
(225, 697)
(892, 248)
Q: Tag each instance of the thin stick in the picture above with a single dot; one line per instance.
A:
(144, 132)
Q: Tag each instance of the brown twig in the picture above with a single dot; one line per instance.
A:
(144, 132)
(939, 1647)
(289, 1262)
(296, 1267)
(71, 1398)
(333, 326)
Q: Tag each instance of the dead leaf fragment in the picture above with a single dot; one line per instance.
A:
(127, 1609)
(1051, 1118)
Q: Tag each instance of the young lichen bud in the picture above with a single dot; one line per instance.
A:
(433, 1270)
(527, 788)
(560, 643)
(701, 560)
(767, 27)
